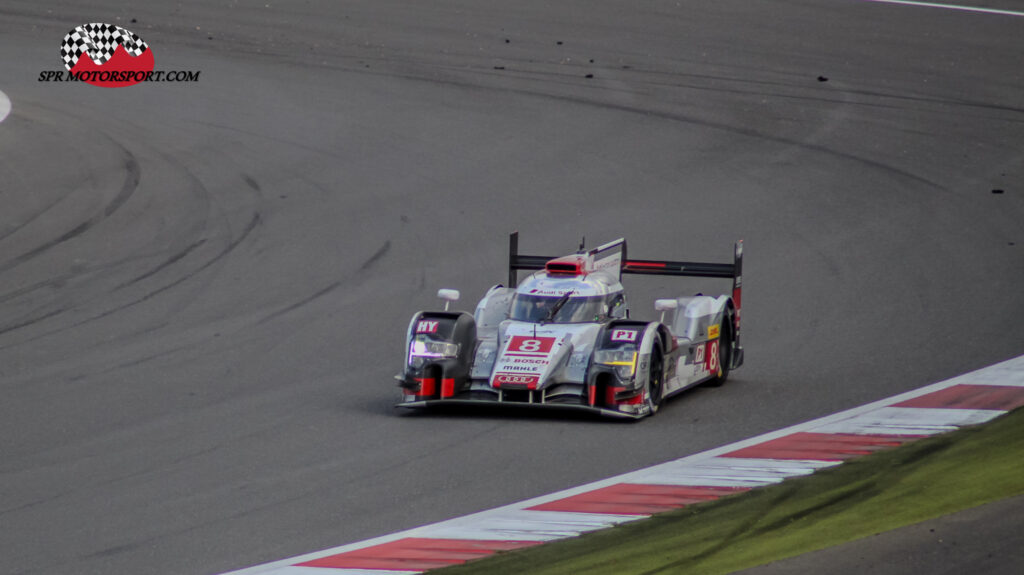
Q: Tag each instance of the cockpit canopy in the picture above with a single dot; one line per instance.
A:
(544, 297)
(539, 308)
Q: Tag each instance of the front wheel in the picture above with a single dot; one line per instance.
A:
(655, 379)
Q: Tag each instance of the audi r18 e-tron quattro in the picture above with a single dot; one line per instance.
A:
(563, 338)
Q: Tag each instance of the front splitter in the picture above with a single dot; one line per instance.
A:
(494, 404)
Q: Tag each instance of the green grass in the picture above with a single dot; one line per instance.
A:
(869, 495)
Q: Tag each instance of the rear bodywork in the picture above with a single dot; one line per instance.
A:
(587, 354)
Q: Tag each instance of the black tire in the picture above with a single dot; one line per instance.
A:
(656, 379)
(724, 352)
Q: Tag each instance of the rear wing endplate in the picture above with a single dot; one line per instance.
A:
(518, 262)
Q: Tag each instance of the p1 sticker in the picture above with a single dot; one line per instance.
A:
(623, 335)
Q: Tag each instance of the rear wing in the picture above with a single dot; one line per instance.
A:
(607, 255)
(698, 269)
(614, 253)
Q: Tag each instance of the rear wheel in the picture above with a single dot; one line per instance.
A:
(655, 379)
(724, 351)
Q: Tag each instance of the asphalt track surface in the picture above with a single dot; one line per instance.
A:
(204, 286)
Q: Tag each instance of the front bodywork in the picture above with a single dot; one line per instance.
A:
(602, 368)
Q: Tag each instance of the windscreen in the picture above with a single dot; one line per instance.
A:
(535, 308)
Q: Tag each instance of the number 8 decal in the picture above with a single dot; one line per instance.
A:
(526, 344)
(712, 356)
(529, 345)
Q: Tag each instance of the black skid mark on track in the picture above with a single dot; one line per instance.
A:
(31, 219)
(251, 182)
(181, 254)
(128, 188)
(301, 302)
(253, 223)
(376, 256)
(256, 219)
(166, 263)
(131, 183)
(133, 175)
(53, 282)
(250, 226)
(367, 264)
(29, 322)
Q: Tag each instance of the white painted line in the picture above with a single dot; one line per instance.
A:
(909, 421)
(297, 570)
(523, 525)
(952, 7)
(545, 525)
(1006, 373)
(5, 106)
(730, 472)
(332, 571)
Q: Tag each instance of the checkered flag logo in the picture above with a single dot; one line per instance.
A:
(99, 41)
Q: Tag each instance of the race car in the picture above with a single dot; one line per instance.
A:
(563, 338)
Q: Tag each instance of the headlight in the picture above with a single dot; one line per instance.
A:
(623, 360)
(430, 348)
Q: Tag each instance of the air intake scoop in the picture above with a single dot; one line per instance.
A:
(574, 265)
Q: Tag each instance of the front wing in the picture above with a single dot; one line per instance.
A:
(561, 397)
(495, 403)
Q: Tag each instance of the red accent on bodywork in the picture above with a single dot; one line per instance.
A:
(610, 397)
(447, 387)
(822, 446)
(531, 346)
(609, 394)
(737, 295)
(711, 350)
(416, 554)
(427, 386)
(530, 381)
(425, 326)
(965, 396)
(637, 499)
(645, 264)
(568, 265)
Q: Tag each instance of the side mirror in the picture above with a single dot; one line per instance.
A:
(664, 305)
(448, 295)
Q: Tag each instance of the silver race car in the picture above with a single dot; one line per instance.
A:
(564, 338)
